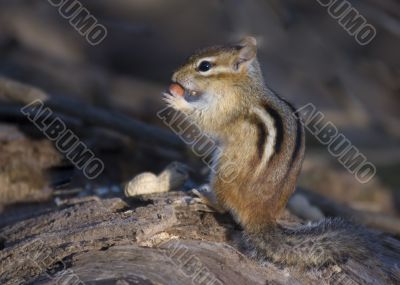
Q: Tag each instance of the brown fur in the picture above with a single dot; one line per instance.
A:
(256, 195)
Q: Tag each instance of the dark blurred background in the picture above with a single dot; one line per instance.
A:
(305, 54)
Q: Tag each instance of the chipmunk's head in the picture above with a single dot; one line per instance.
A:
(209, 87)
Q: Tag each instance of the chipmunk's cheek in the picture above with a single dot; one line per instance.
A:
(200, 102)
(193, 96)
(182, 105)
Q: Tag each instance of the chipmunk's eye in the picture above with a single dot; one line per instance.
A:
(205, 66)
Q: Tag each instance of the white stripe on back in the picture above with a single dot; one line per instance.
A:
(271, 137)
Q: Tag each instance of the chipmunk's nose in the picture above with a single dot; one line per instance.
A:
(176, 89)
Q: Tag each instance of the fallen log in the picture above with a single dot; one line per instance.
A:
(160, 239)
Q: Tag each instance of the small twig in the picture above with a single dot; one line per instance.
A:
(67, 192)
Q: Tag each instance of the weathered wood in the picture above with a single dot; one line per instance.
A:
(161, 239)
(23, 167)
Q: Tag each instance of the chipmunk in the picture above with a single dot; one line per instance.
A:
(222, 90)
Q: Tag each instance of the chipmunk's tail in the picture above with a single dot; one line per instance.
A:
(313, 245)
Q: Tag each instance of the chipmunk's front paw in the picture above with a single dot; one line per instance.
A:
(207, 196)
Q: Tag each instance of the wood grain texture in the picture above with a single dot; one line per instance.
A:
(160, 239)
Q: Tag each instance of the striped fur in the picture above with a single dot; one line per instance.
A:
(299, 133)
(278, 124)
(270, 142)
(259, 134)
(262, 133)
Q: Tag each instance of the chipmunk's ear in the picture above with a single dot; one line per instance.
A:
(247, 52)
